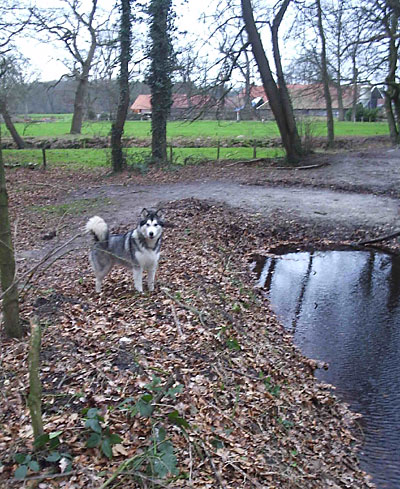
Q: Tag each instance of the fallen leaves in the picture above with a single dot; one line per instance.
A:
(255, 415)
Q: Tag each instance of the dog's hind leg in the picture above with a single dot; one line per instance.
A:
(100, 274)
(151, 273)
(138, 278)
(99, 278)
(98, 284)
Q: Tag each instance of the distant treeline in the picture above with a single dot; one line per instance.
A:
(58, 98)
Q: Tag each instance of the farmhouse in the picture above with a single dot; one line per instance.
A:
(308, 100)
(186, 106)
(142, 106)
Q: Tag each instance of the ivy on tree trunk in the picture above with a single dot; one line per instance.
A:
(160, 75)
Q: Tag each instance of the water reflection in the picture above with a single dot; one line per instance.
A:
(343, 308)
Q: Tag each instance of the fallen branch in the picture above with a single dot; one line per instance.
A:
(247, 476)
(30, 273)
(305, 167)
(246, 162)
(212, 464)
(200, 314)
(24, 289)
(381, 238)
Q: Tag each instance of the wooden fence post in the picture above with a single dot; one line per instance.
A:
(44, 158)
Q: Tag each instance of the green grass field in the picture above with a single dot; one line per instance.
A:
(203, 129)
(58, 126)
(136, 157)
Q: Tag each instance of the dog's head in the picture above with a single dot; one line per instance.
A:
(151, 223)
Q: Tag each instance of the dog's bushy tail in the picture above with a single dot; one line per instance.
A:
(98, 227)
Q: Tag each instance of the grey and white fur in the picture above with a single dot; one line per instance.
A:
(138, 249)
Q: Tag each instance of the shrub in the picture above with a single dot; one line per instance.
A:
(363, 114)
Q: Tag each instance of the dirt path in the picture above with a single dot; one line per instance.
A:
(320, 205)
(352, 189)
(353, 193)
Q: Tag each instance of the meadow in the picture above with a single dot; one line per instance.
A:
(230, 132)
(137, 158)
(202, 128)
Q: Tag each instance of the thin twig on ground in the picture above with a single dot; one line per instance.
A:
(380, 238)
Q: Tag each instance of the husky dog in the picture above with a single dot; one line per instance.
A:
(138, 249)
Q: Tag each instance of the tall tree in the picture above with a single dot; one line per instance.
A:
(390, 21)
(10, 82)
(13, 19)
(325, 76)
(12, 324)
(79, 30)
(277, 93)
(381, 38)
(159, 77)
(10, 26)
(117, 127)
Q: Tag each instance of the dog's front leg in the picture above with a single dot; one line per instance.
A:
(138, 278)
(150, 277)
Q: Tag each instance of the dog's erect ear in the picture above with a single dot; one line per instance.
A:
(144, 213)
(160, 213)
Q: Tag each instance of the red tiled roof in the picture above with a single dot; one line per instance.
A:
(179, 101)
(308, 96)
(142, 102)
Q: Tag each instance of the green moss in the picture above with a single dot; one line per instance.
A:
(77, 207)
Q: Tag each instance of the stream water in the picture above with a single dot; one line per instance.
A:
(343, 308)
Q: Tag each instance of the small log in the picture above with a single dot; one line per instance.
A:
(246, 162)
(35, 386)
(306, 167)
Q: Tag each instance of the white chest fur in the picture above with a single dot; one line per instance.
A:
(147, 258)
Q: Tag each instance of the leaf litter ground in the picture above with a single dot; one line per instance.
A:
(256, 416)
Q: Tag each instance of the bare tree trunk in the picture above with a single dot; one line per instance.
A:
(10, 126)
(393, 131)
(278, 98)
(117, 129)
(392, 90)
(10, 304)
(339, 89)
(83, 79)
(282, 87)
(355, 89)
(340, 101)
(80, 94)
(325, 78)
